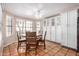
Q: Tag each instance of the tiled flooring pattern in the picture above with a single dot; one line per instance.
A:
(52, 49)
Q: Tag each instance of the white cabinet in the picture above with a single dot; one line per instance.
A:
(53, 28)
(58, 29)
(64, 29)
(48, 30)
(72, 29)
(69, 29)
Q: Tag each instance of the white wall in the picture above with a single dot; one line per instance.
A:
(11, 39)
(1, 42)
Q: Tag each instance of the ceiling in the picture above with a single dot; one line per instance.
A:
(37, 10)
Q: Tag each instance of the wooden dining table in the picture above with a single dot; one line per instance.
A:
(38, 36)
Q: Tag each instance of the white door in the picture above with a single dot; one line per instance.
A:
(72, 29)
(52, 29)
(64, 29)
(58, 29)
(48, 30)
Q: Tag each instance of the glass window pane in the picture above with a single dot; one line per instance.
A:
(38, 27)
(8, 25)
(8, 31)
(24, 25)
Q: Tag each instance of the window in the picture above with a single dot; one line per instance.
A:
(38, 27)
(19, 24)
(23, 25)
(8, 25)
(28, 25)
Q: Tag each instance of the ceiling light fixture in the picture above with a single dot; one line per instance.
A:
(37, 11)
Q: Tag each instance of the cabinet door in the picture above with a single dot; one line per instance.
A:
(64, 29)
(48, 29)
(72, 29)
(52, 29)
(48, 33)
(44, 29)
(58, 29)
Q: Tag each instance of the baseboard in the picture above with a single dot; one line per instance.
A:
(63, 46)
(53, 42)
(9, 43)
(69, 48)
(1, 51)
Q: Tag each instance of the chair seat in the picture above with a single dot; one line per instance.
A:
(41, 40)
(32, 43)
(22, 40)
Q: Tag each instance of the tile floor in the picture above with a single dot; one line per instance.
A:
(52, 49)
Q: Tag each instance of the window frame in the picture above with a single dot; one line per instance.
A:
(24, 27)
(9, 25)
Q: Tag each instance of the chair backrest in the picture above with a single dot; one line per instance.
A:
(18, 36)
(31, 37)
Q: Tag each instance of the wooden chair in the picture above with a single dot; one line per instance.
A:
(31, 42)
(42, 40)
(20, 40)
